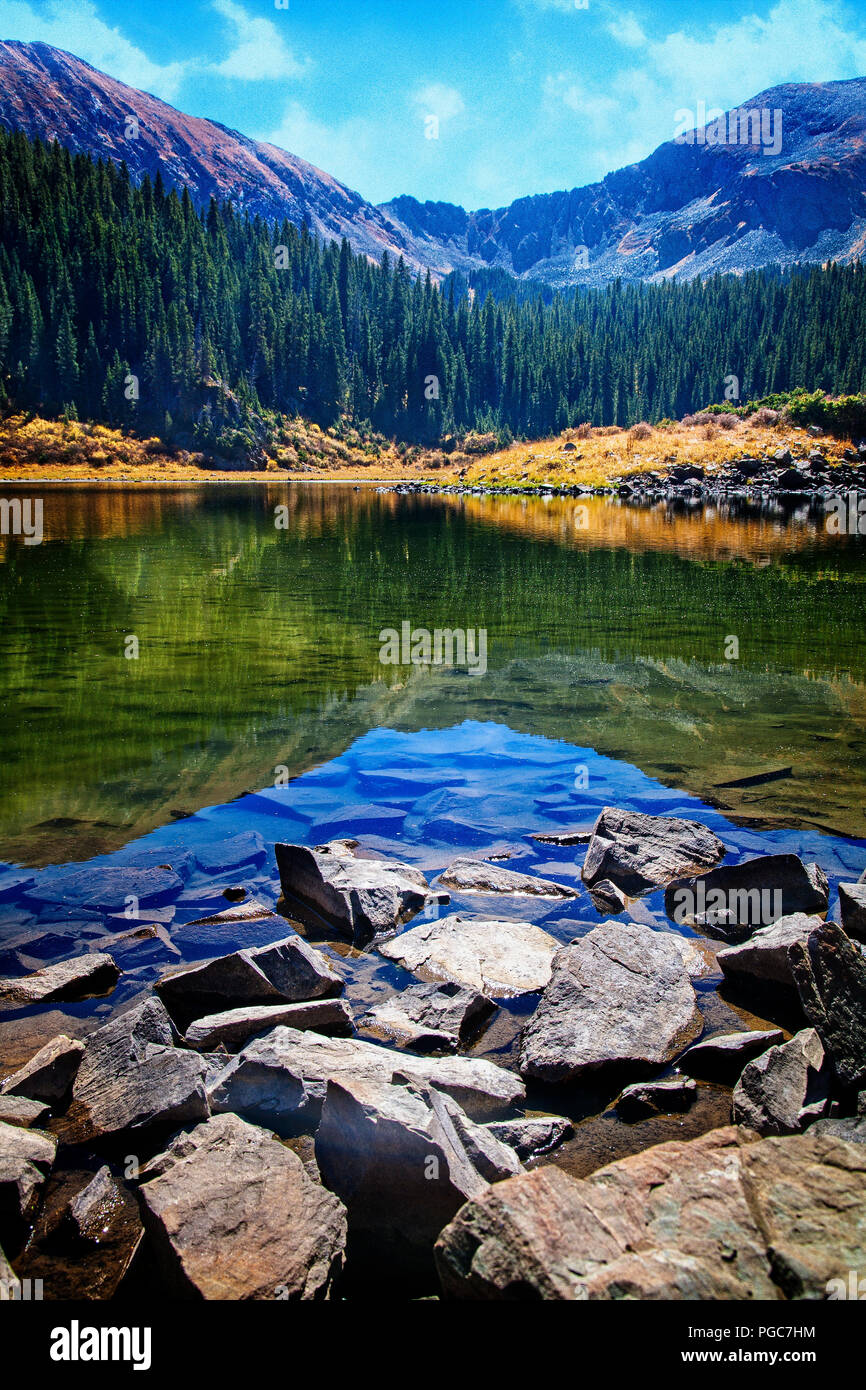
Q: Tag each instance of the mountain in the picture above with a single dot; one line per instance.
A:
(687, 210)
(53, 95)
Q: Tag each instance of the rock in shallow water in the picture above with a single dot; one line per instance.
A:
(231, 1213)
(235, 1027)
(105, 889)
(852, 909)
(286, 972)
(359, 897)
(763, 959)
(734, 901)
(475, 876)
(723, 1057)
(18, 1110)
(498, 959)
(534, 1136)
(637, 852)
(95, 973)
(620, 996)
(830, 974)
(785, 1088)
(26, 1159)
(49, 1074)
(646, 1098)
(430, 1017)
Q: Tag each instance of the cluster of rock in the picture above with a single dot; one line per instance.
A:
(273, 1150)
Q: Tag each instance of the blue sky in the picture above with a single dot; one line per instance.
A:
(530, 95)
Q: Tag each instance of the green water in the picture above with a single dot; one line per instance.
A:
(258, 647)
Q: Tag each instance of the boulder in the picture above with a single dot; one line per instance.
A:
(645, 1098)
(714, 1219)
(92, 1210)
(231, 1214)
(26, 1159)
(852, 909)
(466, 875)
(132, 1077)
(531, 1137)
(235, 1027)
(430, 1017)
(722, 1058)
(95, 973)
(785, 1088)
(285, 972)
(18, 1110)
(498, 959)
(735, 900)
(619, 997)
(49, 1074)
(637, 852)
(359, 897)
(606, 897)
(830, 974)
(280, 1079)
(763, 959)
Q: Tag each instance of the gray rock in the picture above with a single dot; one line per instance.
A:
(232, 1214)
(852, 909)
(49, 1074)
(565, 838)
(621, 996)
(498, 959)
(26, 1159)
(429, 1017)
(763, 959)
(723, 1057)
(785, 1088)
(359, 897)
(280, 1079)
(475, 876)
(92, 1210)
(530, 1137)
(735, 900)
(646, 1098)
(606, 897)
(18, 1110)
(638, 853)
(285, 972)
(235, 1027)
(830, 974)
(132, 1077)
(8, 1279)
(95, 973)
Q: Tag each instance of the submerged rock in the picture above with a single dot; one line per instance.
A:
(475, 876)
(711, 1219)
(235, 1027)
(95, 973)
(498, 959)
(280, 1079)
(830, 974)
(646, 1098)
(106, 889)
(735, 900)
(763, 959)
(26, 1159)
(430, 1017)
(285, 972)
(236, 852)
(723, 1057)
(637, 852)
(359, 897)
(620, 996)
(231, 1213)
(785, 1088)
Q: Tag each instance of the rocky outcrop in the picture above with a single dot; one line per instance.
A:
(285, 972)
(231, 1213)
(722, 1058)
(646, 1098)
(233, 1028)
(94, 973)
(735, 900)
(852, 909)
(430, 1017)
(637, 853)
(785, 1088)
(497, 959)
(763, 959)
(26, 1159)
(714, 1219)
(830, 974)
(280, 1079)
(359, 897)
(619, 997)
(49, 1074)
(466, 875)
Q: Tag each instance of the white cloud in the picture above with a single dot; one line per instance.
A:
(78, 29)
(260, 52)
(436, 99)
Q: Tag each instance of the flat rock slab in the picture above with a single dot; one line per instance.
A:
(26, 1159)
(830, 974)
(712, 1219)
(430, 1017)
(498, 959)
(18, 1110)
(49, 1075)
(734, 901)
(852, 909)
(241, 926)
(637, 852)
(723, 1057)
(763, 959)
(233, 1028)
(785, 1088)
(359, 897)
(475, 876)
(133, 1077)
(106, 890)
(280, 1079)
(238, 851)
(284, 972)
(649, 1098)
(619, 997)
(95, 973)
(232, 1215)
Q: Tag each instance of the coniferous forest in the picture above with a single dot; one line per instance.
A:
(125, 304)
